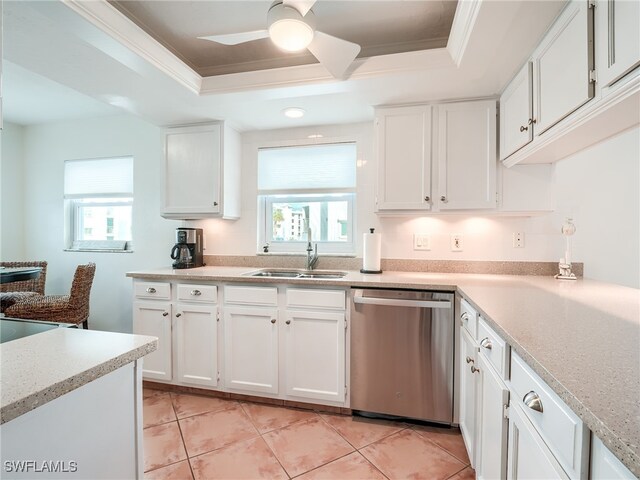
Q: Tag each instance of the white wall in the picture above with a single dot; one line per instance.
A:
(11, 188)
(46, 149)
(600, 189)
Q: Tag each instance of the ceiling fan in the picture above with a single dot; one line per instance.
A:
(291, 26)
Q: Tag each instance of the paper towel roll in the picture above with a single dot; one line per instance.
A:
(372, 246)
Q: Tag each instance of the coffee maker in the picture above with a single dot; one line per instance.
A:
(187, 252)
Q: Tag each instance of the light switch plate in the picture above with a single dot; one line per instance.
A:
(456, 242)
(421, 241)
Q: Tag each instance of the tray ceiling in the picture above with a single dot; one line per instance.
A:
(379, 27)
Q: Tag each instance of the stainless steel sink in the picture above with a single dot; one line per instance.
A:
(282, 273)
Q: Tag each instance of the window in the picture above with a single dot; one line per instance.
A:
(99, 199)
(307, 189)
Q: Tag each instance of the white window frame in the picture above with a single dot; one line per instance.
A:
(265, 233)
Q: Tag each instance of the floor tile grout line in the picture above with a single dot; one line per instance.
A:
(372, 464)
(325, 464)
(163, 466)
(441, 448)
(184, 444)
(288, 425)
(459, 471)
(275, 456)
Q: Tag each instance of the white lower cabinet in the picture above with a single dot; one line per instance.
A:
(196, 341)
(492, 401)
(529, 456)
(469, 379)
(315, 354)
(251, 348)
(604, 464)
(154, 319)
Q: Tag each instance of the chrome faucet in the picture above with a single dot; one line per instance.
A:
(312, 259)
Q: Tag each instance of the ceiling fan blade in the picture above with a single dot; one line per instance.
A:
(333, 53)
(236, 38)
(303, 6)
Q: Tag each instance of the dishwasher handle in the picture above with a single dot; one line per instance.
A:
(394, 302)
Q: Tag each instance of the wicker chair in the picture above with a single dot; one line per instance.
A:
(72, 308)
(14, 292)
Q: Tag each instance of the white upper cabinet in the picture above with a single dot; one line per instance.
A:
(516, 112)
(403, 145)
(467, 155)
(562, 64)
(202, 172)
(618, 39)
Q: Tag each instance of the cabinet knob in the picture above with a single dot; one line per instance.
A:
(151, 290)
(486, 343)
(531, 121)
(215, 204)
(273, 320)
(164, 314)
(443, 199)
(178, 315)
(532, 400)
(474, 369)
(427, 198)
(523, 128)
(288, 322)
(196, 293)
(470, 360)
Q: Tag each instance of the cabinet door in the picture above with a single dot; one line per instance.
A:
(618, 38)
(528, 455)
(196, 341)
(516, 112)
(468, 393)
(562, 64)
(192, 170)
(315, 353)
(251, 349)
(494, 397)
(605, 465)
(404, 158)
(467, 155)
(154, 319)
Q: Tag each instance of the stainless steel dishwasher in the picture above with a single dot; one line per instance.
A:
(402, 347)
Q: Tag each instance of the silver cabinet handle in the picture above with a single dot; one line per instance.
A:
(523, 128)
(273, 320)
(474, 369)
(178, 315)
(151, 290)
(164, 314)
(427, 198)
(443, 199)
(394, 302)
(470, 360)
(486, 343)
(533, 401)
(196, 293)
(288, 322)
(464, 317)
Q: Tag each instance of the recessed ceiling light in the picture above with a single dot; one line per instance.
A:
(293, 112)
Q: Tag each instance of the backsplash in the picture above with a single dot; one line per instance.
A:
(393, 264)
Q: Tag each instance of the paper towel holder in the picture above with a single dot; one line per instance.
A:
(362, 270)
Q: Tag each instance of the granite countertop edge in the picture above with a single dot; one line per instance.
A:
(453, 282)
(45, 395)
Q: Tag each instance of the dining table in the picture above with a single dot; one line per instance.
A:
(18, 274)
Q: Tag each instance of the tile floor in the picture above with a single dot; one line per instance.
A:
(197, 437)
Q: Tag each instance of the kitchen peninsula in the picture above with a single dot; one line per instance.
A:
(71, 404)
(580, 338)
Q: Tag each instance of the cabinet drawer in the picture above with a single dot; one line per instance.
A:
(161, 290)
(469, 318)
(333, 299)
(560, 428)
(493, 348)
(245, 295)
(198, 293)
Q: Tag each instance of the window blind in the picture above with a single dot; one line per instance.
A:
(309, 169)
(102, 177)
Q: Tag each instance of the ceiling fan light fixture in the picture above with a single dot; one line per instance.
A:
(289, 30)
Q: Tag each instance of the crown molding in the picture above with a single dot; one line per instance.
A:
(115, 24)
(463, 23)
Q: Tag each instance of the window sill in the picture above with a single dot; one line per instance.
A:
(295, 254)
(100, 250)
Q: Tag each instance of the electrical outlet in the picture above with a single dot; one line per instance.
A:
(518, 240)
(456, 242)
(421, 241)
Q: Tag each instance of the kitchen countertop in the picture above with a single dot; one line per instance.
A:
(42, 367)
(582, 337)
